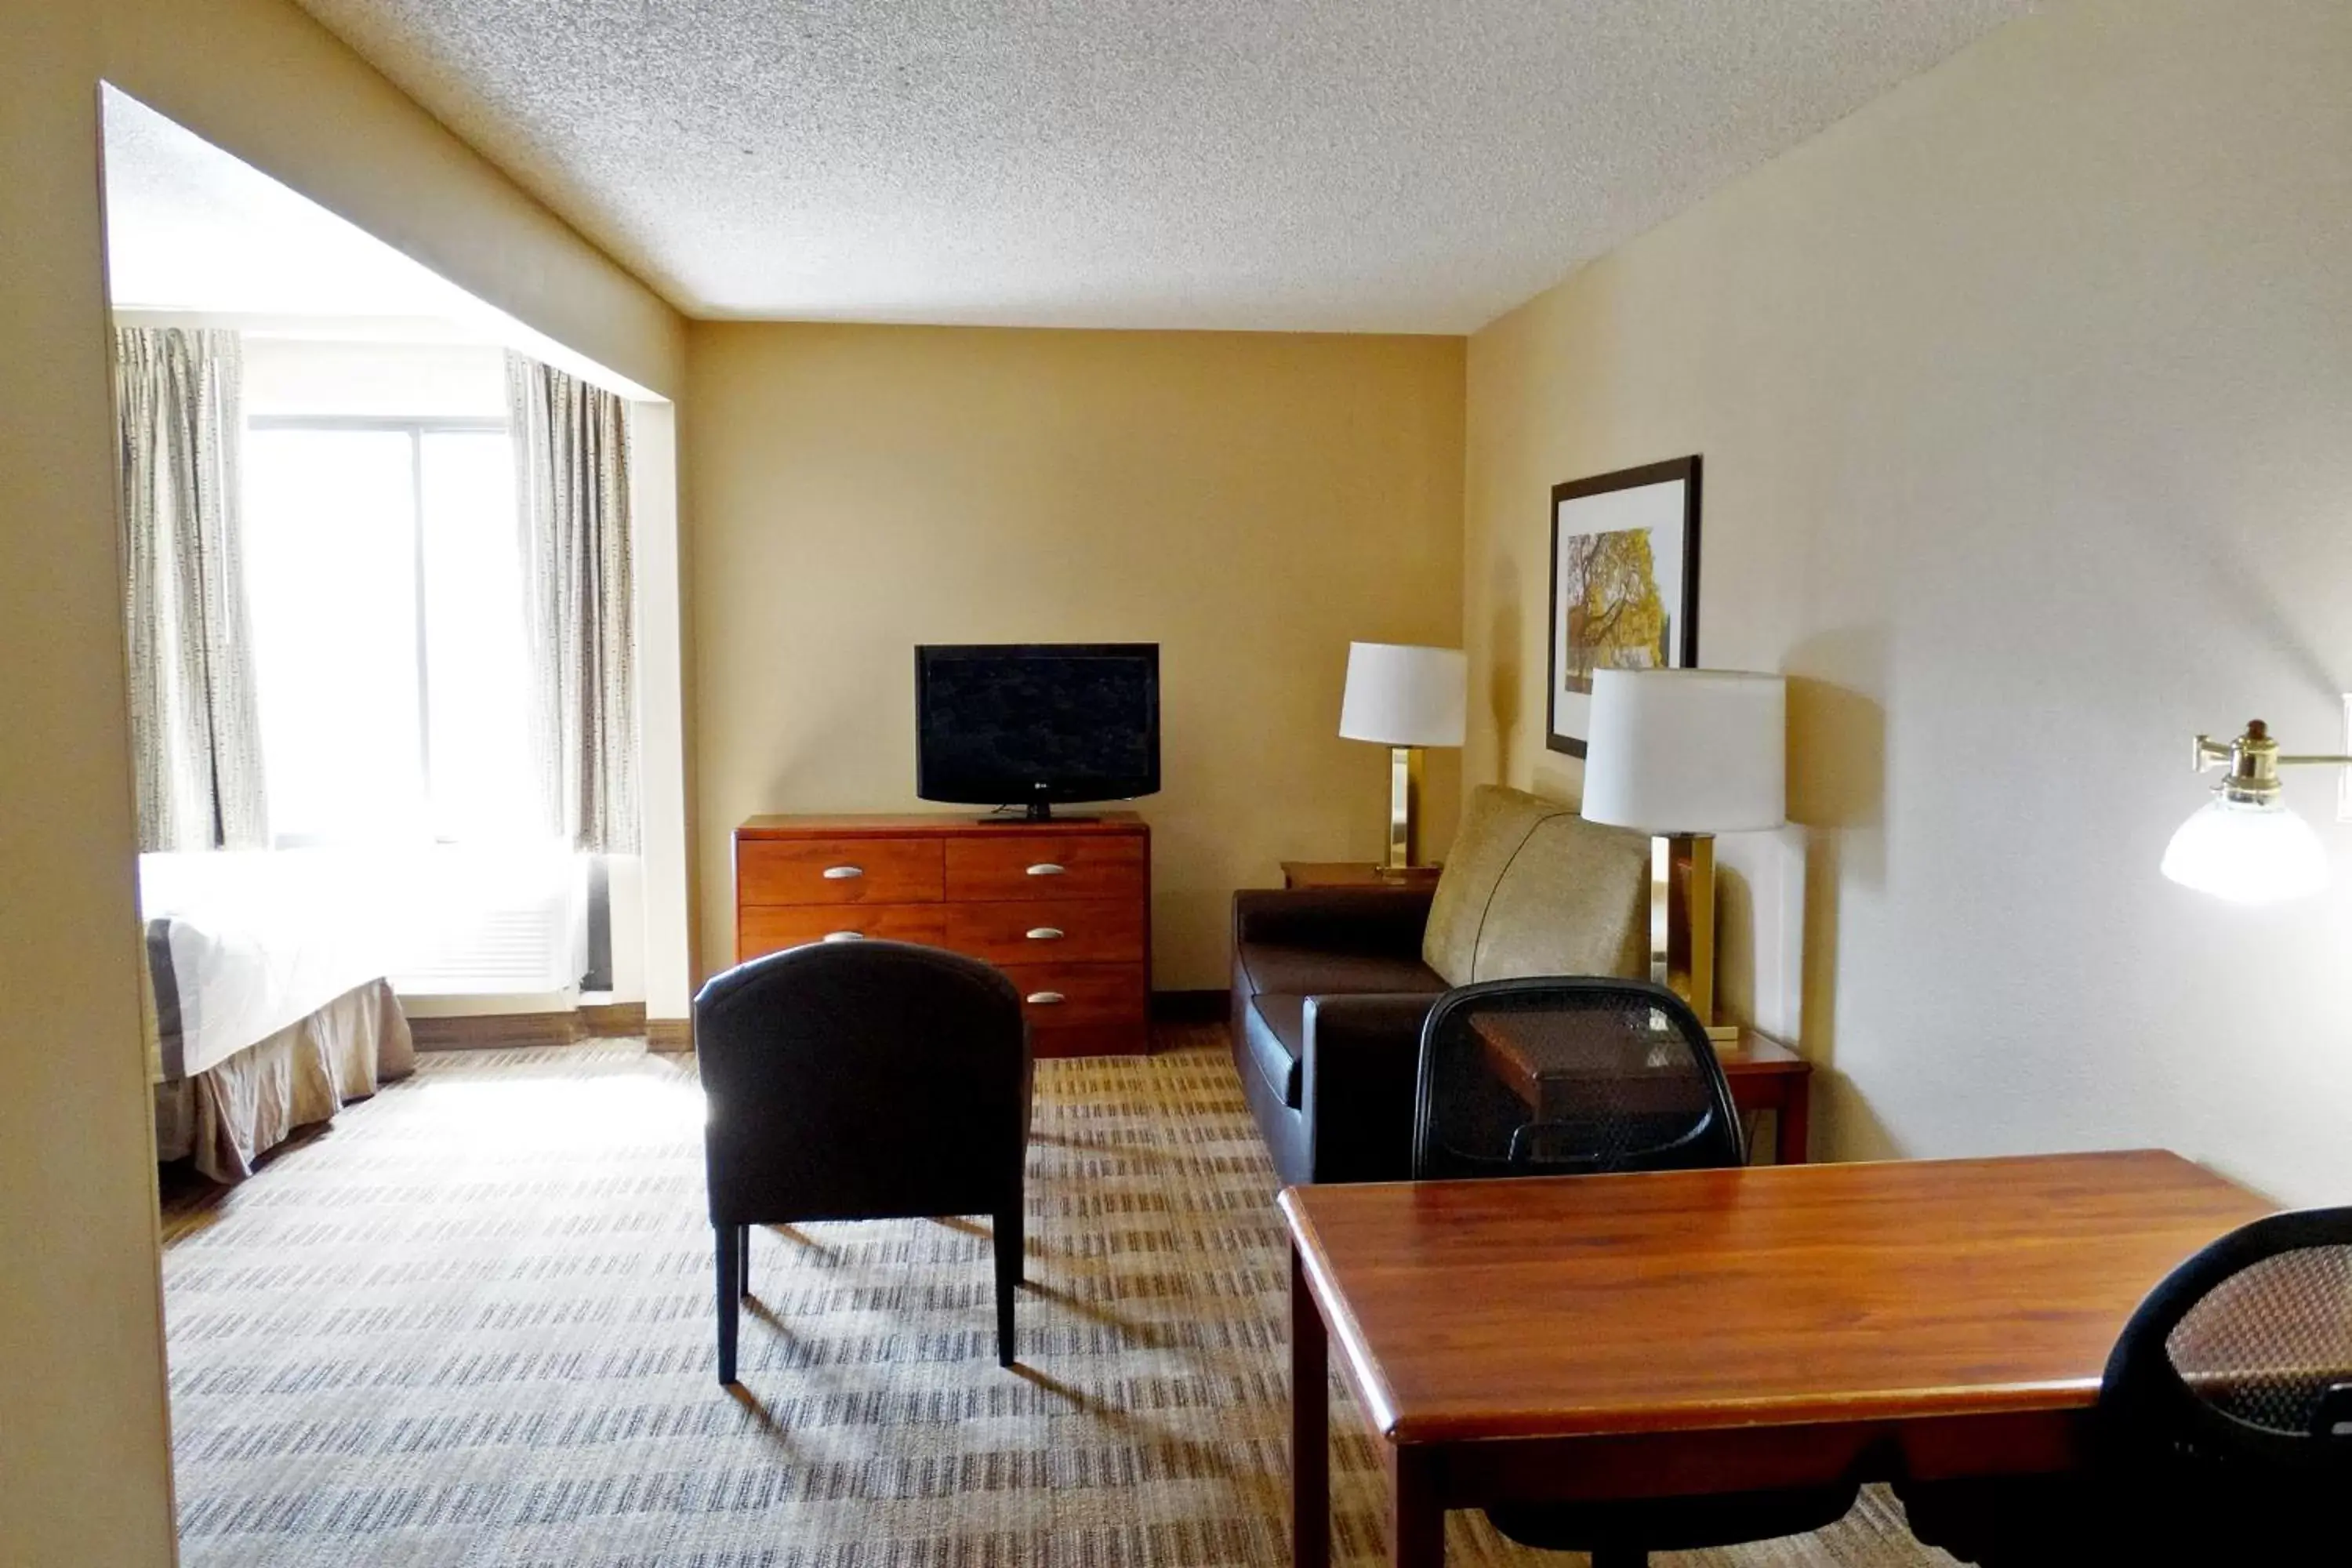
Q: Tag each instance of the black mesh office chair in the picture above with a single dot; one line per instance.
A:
(1575, 1077)
(861, 1081)
(1568, 1077)
(2224, 1427)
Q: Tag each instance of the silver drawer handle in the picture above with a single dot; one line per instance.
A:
(843, 873)
(845, 936)
(1046, 868)
(1045, 998)
(1045, 934)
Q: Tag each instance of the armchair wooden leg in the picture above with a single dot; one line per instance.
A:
(744, 1261)
(727, 1242)
(1008, 1275)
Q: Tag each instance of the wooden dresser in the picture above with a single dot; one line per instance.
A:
(1062, 906)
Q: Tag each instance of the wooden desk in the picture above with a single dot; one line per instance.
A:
(1764, 1075)
(1699, 1331)
(1356, 874)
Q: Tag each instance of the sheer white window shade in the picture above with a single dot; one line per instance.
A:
(387, 586)
(331, 573)
(478, 756)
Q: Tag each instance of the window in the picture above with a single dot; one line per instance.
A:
(383, 572)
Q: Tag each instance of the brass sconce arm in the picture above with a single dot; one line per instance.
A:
(2253, 759)
(2207, 753)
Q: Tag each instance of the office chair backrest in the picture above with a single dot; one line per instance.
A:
(1561, 1076)
(2245, 1351)
(2226, 1413)
(858, 1080)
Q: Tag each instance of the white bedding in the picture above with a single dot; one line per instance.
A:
(244, 944)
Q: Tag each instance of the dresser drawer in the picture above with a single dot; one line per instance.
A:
(1040, 866)
(837, 871)
(1049, 931)
(772, 928)
(1067, 996)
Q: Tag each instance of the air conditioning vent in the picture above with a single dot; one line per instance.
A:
(497, 927)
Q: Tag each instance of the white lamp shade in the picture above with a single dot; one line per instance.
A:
(2247, 854)
(1400, 695)
(1686, 751)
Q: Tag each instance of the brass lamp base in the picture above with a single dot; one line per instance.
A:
(1682, 924)
(1405, 809)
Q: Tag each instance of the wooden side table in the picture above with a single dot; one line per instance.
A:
(1764, 1075)
(1355, 873)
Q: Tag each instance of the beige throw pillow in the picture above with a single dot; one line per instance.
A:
(1530, 887)
(1575, 900)
(1495, 824)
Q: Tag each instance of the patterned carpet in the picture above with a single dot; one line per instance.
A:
(471, 1324)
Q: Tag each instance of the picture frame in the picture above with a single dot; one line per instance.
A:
(1624, 585)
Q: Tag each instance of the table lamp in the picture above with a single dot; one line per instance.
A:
(1682, 755)
(1405, 697)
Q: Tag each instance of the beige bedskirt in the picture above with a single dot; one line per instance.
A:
(230, 1115)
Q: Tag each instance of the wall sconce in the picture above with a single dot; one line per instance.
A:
(2244, 845)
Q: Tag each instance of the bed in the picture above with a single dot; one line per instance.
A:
(272, 1005)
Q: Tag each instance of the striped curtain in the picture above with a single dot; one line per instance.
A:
(194, 726)
(572, 456)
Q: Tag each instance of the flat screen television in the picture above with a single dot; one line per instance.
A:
(1036, 725)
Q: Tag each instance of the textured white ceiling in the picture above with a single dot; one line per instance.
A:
(1306, 165)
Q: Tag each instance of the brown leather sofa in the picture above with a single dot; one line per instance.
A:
(1330, 985)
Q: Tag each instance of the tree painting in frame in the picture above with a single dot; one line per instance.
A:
(1624, 585)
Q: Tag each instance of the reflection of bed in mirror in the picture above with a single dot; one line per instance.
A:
(273, 1005)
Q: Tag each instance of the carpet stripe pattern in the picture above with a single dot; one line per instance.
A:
(471, 1323)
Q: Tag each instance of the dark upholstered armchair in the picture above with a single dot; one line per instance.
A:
(861, 1081)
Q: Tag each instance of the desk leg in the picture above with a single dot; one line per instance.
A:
(1311, 1427)
(1416, 1514)
(1792, 1125)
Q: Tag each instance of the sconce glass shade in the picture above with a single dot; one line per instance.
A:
(2246, 853)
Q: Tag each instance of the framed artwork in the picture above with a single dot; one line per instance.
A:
(1624, 585)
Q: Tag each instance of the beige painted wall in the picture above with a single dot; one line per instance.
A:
(2025, 396)
(84, 1456)
(1250, 502)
